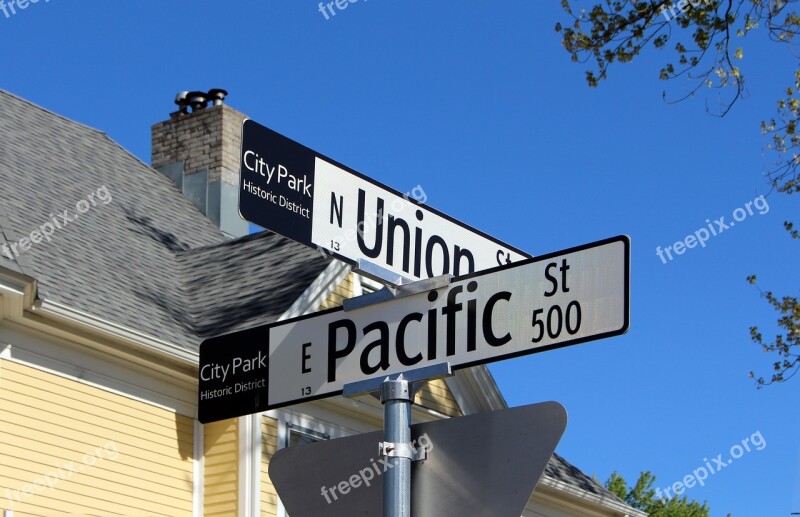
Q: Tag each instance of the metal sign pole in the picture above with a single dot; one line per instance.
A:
(396, 447)
(396, 393)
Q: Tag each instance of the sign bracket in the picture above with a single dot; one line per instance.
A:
(394, 287)
(396, 393)
(379, 273)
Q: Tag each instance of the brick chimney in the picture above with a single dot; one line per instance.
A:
(198, 149)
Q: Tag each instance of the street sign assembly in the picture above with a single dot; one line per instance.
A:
(555, 300)
(484, 465)
(300, 194)
(459, 298)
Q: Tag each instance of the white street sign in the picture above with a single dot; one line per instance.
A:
(552, 301)
(296, 192)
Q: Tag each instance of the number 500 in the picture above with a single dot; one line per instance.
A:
(556, 321)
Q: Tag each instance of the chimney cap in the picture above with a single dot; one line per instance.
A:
(217, 95)
(180, 99)
(183, 104)
(197, 100)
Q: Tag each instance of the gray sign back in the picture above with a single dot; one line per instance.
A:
(484, 465)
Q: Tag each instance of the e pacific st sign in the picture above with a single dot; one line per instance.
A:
(298, 193)
(555, 300)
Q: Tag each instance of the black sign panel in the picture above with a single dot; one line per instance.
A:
(234, 375)
(276, 181)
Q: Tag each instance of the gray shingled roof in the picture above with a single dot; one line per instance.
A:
(268, 272)
(561, 470)
(147, 260)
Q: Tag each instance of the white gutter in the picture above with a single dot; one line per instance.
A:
(18, 292)
(599, 500)
(475, 390)
(165, 349)
(21, 305)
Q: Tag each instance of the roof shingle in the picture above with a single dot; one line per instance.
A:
(142, 256)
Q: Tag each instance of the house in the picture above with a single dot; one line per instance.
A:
(111, 274)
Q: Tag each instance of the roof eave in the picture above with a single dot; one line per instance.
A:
(476, 391)
(18, 293)
(21, 303)
(598, 501)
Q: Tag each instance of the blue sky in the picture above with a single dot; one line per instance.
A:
(480, 105)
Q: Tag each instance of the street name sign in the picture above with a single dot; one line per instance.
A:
(484, 465)
(551, 301)
(298, 193)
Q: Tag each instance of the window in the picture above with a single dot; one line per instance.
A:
(296, 429)
(299, 435)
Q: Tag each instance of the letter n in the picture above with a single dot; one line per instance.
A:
(336, 208)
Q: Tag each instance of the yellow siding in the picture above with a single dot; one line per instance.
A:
(436, 395)
(221, 483)
(67, 447)
(269, 445)
(344, 290)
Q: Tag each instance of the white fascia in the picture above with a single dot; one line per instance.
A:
(18, 293)
(19, 304)
(167, 350)
(475, 390)
(599, 501)
(319, 290)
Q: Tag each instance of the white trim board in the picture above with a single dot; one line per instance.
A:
(94, 368)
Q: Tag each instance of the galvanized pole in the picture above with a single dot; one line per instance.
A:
(397, 398)
(397, 394)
